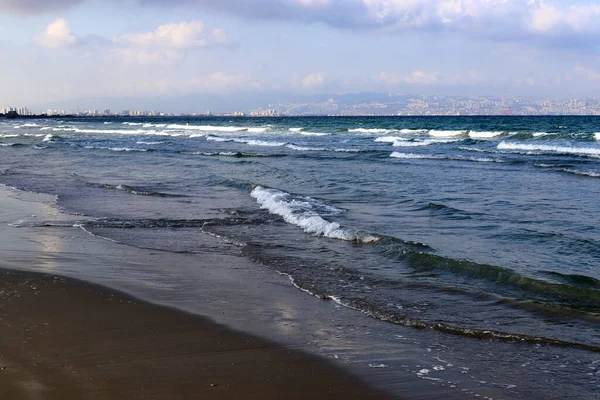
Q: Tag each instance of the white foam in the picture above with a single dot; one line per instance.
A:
(107, 123)
(582, 151)
(597, 136)
(48, 138)
(582, 173)
(484, 135)
(9, 135)
(304, 148)
(6, 144)
(388, 139)
(420, 143)
(148, 143)
(114, 148)
(372, 130)
(412, 156)
(261, 143)
(133, 123)
(302, 212)
(438, 133)
(209, 128)
(296, 129)
(46, 128)
(257, 130)
(413, 131)
(219, 139)
(197, 135)
(26, 126)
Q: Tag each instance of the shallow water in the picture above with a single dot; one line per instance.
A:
(478, 229)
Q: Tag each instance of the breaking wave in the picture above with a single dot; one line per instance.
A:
(307, 213)
(538, 148)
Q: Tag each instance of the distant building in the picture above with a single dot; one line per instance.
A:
(264, 113)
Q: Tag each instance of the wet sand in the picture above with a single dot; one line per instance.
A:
(65, 339)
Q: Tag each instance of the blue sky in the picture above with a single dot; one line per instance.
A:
(61, 51)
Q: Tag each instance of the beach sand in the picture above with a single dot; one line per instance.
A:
(66, 339)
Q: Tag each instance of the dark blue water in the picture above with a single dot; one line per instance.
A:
(487, 227)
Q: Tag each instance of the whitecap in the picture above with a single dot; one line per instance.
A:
(484, 135)
(531, 148)
(305, 148)
(438, 133)
(304, 213)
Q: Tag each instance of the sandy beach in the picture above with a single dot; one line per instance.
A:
(65, 339)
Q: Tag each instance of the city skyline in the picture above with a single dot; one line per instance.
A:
(377, 104)
(70, 51)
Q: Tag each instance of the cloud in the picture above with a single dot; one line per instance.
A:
(57, 34)
(589, 74)
(499, 19)
(35, 6)
(315, 79)
(183, 35)
(168, 42)
(414, 78)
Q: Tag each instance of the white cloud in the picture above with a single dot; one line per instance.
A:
(414, 78)
(313, 80)
(168, 42)
(57, 34)
(589, 74)
(183, 35)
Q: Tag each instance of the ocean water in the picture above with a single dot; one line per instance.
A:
(480, 228)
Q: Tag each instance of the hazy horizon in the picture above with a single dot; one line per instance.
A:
(160, 54)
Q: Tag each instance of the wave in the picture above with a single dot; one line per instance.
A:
(237, 154)
(26, 126)
(148, 143)
(304, 148)
(597, 136)
(542, 134)
(257, 130)
(412, 156)
(582, 173)
(9, 135)
(250, 142)
(305, 133)
(133, 123)
(209, 128)
(371, 130)
(389, 139)
(296, 129)
(305, 212)
(48, 138)
(10, 144)
(46, 128)
(484, 135)
(439, 133)
(126, 149)
(530, 148)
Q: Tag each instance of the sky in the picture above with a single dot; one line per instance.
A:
(123, 53)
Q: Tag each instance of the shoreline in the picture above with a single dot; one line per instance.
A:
(65, 338)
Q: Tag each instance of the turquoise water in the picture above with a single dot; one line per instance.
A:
(484, 227)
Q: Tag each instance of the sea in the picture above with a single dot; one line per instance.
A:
(475, 238)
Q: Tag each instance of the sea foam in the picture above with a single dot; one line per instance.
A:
(520, 147)
(304, 212)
